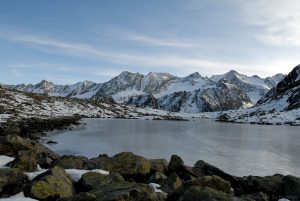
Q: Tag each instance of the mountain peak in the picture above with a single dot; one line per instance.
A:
(194, 75)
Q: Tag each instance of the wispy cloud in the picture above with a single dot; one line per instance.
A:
(170, 61)
(279, 20)
(162, 42)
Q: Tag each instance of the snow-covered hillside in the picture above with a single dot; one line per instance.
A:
(254, 86)
(15, 104)
(279, 106)
(193, 93)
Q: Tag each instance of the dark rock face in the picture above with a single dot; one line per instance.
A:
(176, 164)
(172, 183)
(147, 100)
(101, 98)
(270, 185)
(202, 169)
(51, 185)
(291, 186)
(224, 96)
(12, 182)
(290, 87)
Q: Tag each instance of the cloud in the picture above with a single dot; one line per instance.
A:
(152, 41)
(170, 61)
(279, 20)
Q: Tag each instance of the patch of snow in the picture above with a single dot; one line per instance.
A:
(4, 160)
(32, 175)
(18, 197)
(156, 188)
(76, 174)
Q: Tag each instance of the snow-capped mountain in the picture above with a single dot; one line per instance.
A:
(81, 90)
(193, 93)
(280, 105)
(254, 86)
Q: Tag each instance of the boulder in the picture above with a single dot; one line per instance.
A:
(291, 186)
(71, 162)
(176, 164)
(10, 145)
(92, 180)
(103, 161)
(116, 177)
(159, 165)
(53, 184)
(26, 161)
(202, 169)
(45, 162)
(199, 193)
(216, 183)
(126, 191)
(270, 185)
(130, 165)
(170, 184)
(12, 181)
(213, 182)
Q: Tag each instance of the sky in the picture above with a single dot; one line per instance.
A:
(67, 41)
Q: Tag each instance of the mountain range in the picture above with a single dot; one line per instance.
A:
(191, 94)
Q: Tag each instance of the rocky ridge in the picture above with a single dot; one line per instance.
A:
(192, 94)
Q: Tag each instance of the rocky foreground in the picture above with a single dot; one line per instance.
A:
(41, 174)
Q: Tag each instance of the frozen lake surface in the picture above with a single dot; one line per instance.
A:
(239, 149)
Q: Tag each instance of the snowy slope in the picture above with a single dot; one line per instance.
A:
(279, 106)
(15, 104)
(254, 86)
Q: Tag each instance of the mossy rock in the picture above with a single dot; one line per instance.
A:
(71, 162)
(130, 165)
(80, 197)
(172, 183)
(216, 183)
(92, 180)
(199, 193)
(126, 191)
(12, 181)
(159, 165)
(53, 184)
(10, 145)
(26, 161)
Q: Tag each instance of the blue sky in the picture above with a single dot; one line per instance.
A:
(67, 41)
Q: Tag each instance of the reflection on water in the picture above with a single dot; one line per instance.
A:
(239, 149)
